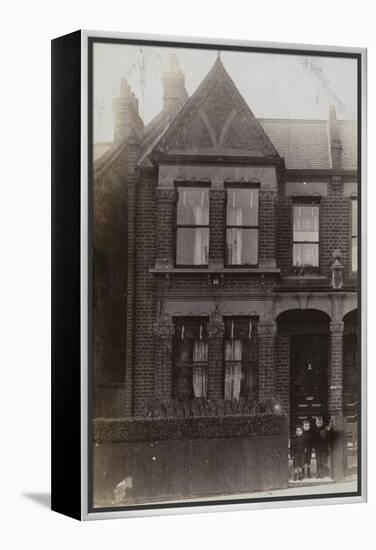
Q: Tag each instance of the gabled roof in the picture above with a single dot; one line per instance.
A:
(216, 120)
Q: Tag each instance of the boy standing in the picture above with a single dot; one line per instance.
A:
(320, 442)
(297, 448)
(307, 434)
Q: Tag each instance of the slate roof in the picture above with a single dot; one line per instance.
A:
(304, 144)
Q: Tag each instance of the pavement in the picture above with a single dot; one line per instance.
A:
(327, 486)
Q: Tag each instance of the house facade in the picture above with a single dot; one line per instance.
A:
(225, 257)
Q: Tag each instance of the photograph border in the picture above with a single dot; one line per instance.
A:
(88, 39)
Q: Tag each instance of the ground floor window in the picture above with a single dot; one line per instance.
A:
(190, 376)
(240, 357)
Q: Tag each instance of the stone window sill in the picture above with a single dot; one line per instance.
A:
(224, 270)
(306, 276)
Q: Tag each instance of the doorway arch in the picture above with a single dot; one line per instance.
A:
(306, 335)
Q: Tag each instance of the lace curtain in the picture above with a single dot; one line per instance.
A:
(233, 369)
(200, 374)
(201, 236)
(234, 237)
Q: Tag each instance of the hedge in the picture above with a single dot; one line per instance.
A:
(158, 429)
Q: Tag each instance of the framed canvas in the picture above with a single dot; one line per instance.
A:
(208, 275)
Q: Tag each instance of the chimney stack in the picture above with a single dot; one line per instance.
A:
(174, 92)
(127, 121)
(335, 144)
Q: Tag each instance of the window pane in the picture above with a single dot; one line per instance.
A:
(242, 207)
(190, 358)
(192, 246)
(242, 246)
(354, 254)
(193, 206)
(240, 354)
(200, 374)
(354, 218)
(306, 223)
(306, 255)
(233, 373)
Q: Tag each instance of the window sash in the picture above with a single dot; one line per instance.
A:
(242, 219)
(192, 227)
(242, 207)
(306, 219)
(193, 206)
(306, 254)
(240, 358)
(192, 245)
(191, 359)
(242, 246)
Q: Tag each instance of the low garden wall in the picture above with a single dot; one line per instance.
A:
(138, 460)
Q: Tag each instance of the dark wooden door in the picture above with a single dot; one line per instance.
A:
(309, 377)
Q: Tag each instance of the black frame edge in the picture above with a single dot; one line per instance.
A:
(66, 275)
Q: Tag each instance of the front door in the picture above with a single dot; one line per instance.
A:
(309, 379)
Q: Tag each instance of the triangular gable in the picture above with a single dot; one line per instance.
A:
(216, 121)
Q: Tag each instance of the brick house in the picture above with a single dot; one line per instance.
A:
(225, 256)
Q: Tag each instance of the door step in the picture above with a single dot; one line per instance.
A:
(311, 482)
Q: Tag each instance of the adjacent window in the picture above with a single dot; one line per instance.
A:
(306, 236)
(192, 239)
(354, 235)
(190, 374)
(240, 351)
(242, 227)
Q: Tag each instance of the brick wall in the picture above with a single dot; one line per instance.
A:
(216, 369)
(267, 225)
(165, 226)
(131, 178)
(266, 336)
(282, 374)
(217, 213)
(335, 231)
(145, 313)
(284, 234)
(199, 285)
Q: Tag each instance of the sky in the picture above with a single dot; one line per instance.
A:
(274, 85)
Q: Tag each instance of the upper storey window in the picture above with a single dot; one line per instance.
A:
(242, 227)
(306, 236)
(192, 239)
(354, 235)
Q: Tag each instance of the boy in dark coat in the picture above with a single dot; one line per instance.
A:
(297, 448)
(320, 442)
(307, 434)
